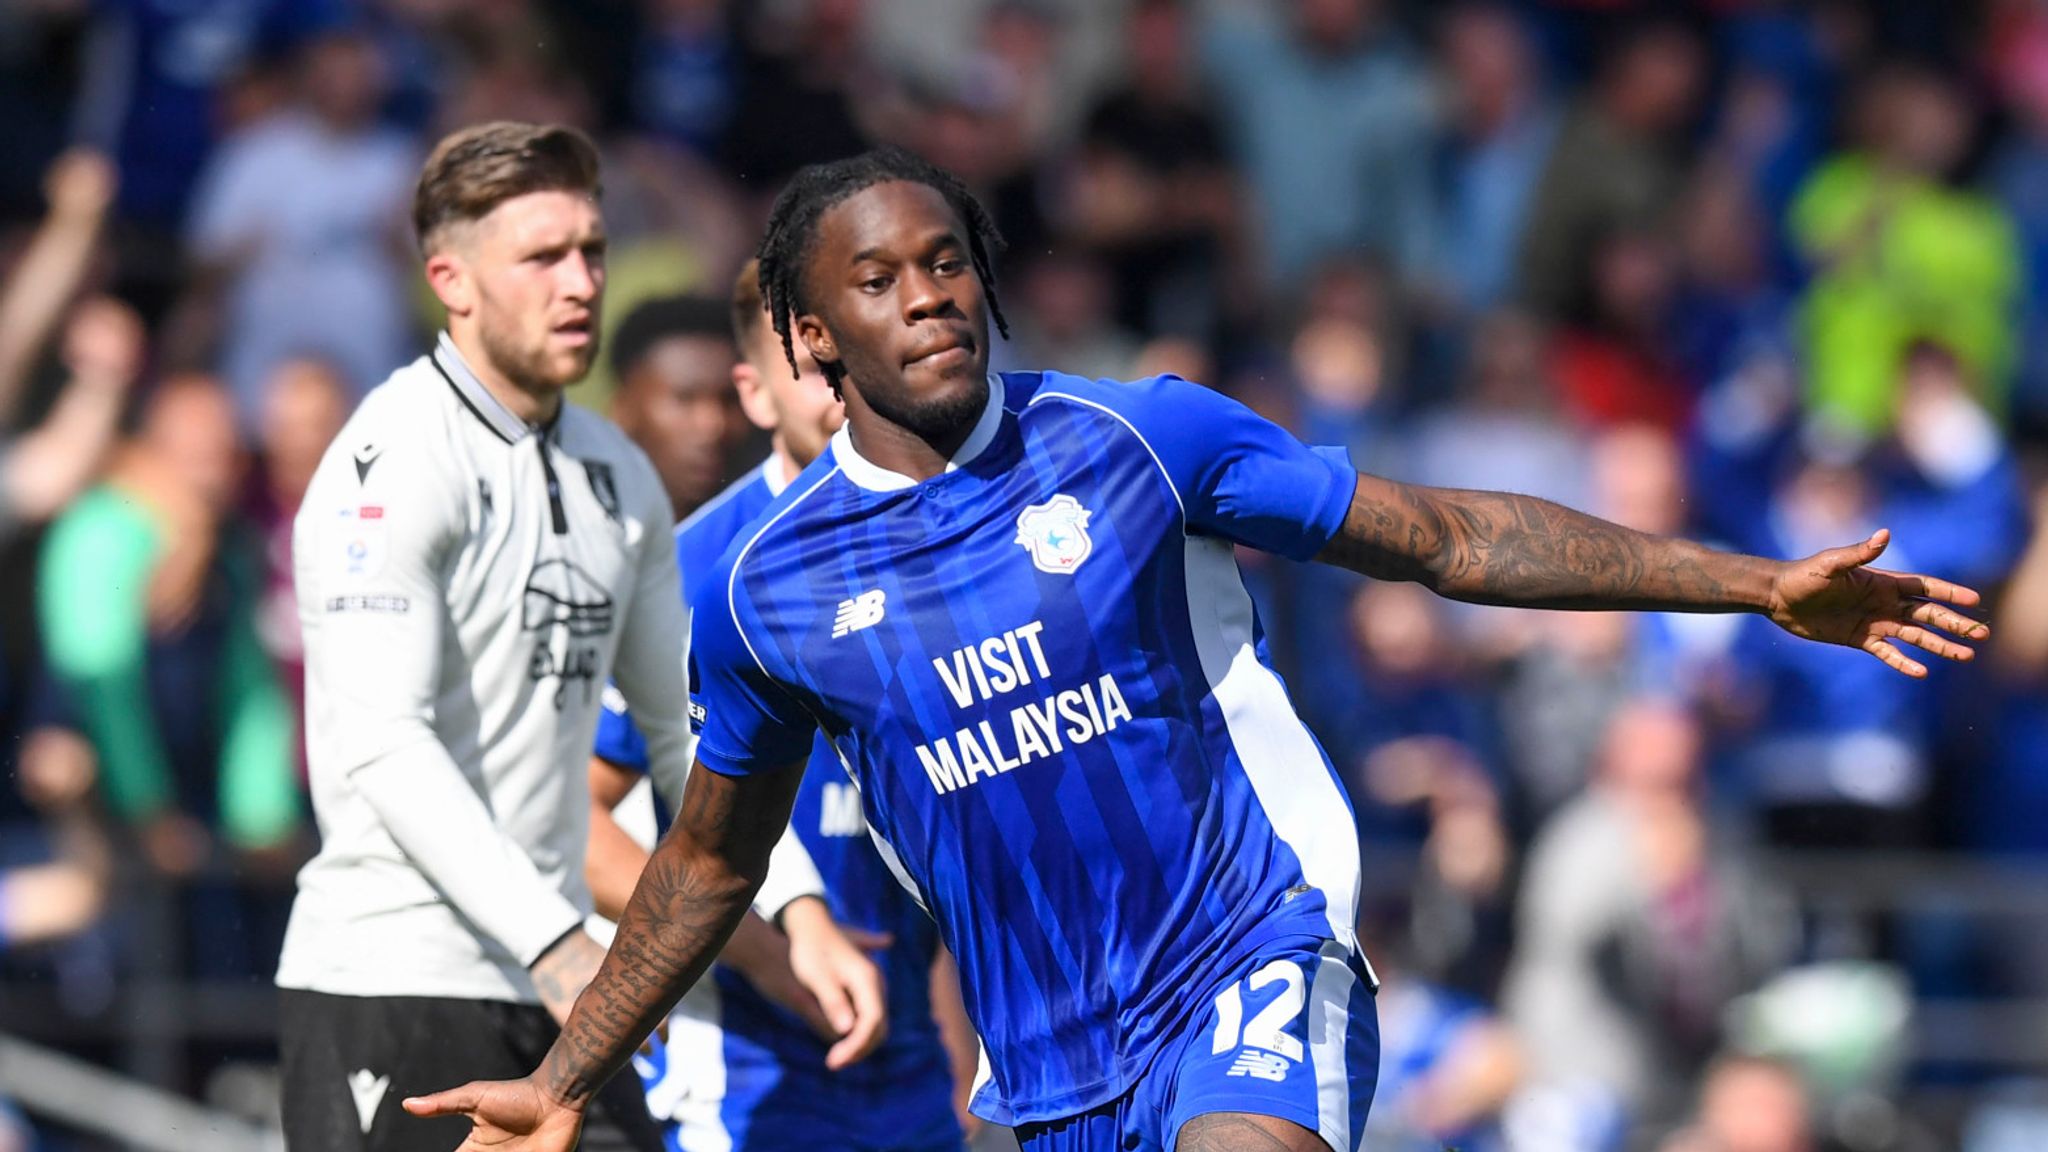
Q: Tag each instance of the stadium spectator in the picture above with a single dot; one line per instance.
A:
(1639, 923)
(304, 406)
(1495, 140)
(1329, 119)
(1150, 188)
(1069, 311)
(1898, 254)
(300, 218)
(673, 358)
(1612, 171)
(147, 592)
(685, 73)
(1748, 1104)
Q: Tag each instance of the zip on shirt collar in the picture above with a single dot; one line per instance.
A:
(448, 361)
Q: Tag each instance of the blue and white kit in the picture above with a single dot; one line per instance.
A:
(1043, 671)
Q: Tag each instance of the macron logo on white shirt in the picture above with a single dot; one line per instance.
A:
(863, 611)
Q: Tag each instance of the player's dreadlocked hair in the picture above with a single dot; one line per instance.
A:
(813, 191)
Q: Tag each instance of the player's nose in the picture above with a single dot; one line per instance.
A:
(924, 296)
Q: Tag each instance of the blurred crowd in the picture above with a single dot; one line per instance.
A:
(1771, 273)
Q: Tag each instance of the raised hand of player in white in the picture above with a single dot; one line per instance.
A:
(1837, 598)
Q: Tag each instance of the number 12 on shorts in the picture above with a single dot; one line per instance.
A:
(1269, 1050)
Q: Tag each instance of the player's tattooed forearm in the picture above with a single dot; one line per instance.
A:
(1493, 547)
(687, 903)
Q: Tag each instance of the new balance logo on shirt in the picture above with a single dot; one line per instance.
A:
(863, 611)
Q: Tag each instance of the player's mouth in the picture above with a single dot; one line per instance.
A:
(576, 332)
(948, 351)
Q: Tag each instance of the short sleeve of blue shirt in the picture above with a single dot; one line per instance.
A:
(751, 723)
(618, 738)
(1239, 475)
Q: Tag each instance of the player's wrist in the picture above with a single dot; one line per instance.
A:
(803, 918)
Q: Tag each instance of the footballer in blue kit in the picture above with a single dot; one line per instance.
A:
(738, 1072)
(1011, 605)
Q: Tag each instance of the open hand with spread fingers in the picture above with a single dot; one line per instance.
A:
(505, 1116)
(1836, 597)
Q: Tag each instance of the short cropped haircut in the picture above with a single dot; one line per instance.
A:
(475, 169)
(666, 318)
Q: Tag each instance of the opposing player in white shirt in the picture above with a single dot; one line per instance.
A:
(473, 559)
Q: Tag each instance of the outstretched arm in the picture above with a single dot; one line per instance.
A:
(699, 882)
(1496, 548)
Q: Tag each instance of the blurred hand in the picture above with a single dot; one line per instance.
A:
(1835, 597)
(80, 185)
(505, 1116)
(830, 962)
(563, 971)
(105, 343)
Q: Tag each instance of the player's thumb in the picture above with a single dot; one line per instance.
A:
(453, 1102)
(1857, 555)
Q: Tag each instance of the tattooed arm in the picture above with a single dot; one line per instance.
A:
(1496, 548)
(697, 885)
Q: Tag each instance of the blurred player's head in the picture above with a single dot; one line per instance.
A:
(674, 360)
(879, 267)
(507, 218)
(796, 405)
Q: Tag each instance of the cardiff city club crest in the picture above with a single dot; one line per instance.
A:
(1056, 534)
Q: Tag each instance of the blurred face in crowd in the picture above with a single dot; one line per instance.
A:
(676, 403)
(1656, 81)
(896, 303)
(189, 427)
(526, 282)
(1507, 370)
(1755, 1106)
(1399, 629)
(1639, 479)
(1488, 60)
(344, 79)
(1918, 121)
(1157, 48)
(1652, 748)
(303, 410)
(798, 407)
(1335, 26)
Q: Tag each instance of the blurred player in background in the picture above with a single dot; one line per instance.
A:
(739, 1073)
(1012, 604)
(473, 560)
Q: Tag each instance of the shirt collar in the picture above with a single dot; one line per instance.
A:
(478, 399)
(876, 478)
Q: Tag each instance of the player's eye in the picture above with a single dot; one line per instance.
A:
(874, 284)
(949, 266)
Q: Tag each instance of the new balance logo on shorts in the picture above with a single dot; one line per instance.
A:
(1265, 1065)
(863, 611)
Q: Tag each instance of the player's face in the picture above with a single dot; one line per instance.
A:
(897, 304)
(677, 405)
(536, 266)
(799, 407)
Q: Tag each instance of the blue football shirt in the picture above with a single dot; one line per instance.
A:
(1044, 672)
(777, 1092)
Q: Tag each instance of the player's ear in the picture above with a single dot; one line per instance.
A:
(448, 274)
(755, 398)
(817, 339)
